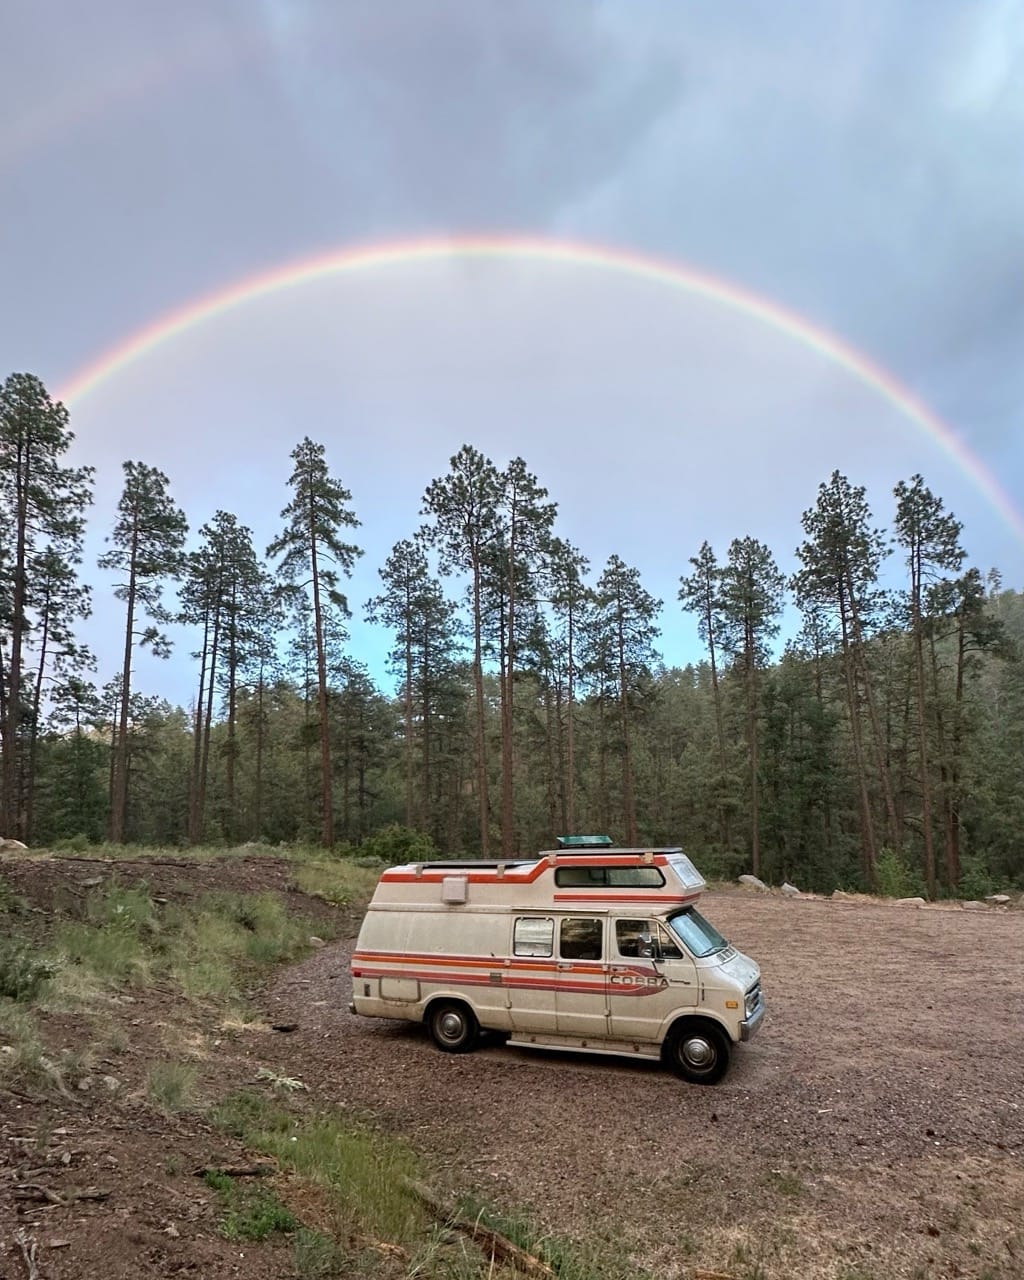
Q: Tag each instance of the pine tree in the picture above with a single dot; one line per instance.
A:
(569, 599)
(751, 601)
(464, 508)
(624, 631)
(930, 538)
(148, 538)
(312, 556)
(516, 556)
(700, 593)
(841, 558)
(42, 520)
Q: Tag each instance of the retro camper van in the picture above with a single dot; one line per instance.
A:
(584, 947)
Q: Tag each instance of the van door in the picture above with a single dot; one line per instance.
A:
(649, 977)
(581, 1002)
(531, 975)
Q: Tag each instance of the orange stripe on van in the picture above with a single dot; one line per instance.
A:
(509, 982)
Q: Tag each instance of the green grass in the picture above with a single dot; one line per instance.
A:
(337, 882)
(24, 972)
(365, 1174)
(11, 903)
(363, 1171)
(250, 1213)
(592, 1259)
(21, 1050)
(170, 1086)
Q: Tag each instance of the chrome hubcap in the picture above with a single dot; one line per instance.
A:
(698, 1052)
(451, 1025)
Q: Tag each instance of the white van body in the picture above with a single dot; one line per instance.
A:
(597, 949)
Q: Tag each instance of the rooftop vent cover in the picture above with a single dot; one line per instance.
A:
(453, 889)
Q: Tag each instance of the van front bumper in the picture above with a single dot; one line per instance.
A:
(752, 1023)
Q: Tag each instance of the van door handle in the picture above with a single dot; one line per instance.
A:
(562, 964)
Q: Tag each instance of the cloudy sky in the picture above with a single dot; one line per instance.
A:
(860, 164)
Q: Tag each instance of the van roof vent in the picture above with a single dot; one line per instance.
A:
(570, 843)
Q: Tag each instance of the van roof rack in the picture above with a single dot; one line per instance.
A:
(584, 842)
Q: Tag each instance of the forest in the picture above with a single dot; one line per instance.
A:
(881, 747)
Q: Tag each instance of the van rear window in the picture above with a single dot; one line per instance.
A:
(609, 877)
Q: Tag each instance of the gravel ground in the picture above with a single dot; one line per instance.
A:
(874, 1127)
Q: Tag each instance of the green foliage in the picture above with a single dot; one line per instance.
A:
(895, 878)
(11, 903)
(252, 1213)
(339, 883)
(78, 843)
(317, 1257)
(397, 844)
(364, 1171)
(976, 881)
(24, 972)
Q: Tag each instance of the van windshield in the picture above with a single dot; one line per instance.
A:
(701, 937)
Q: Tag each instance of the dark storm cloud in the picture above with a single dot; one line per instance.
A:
(469, 114)
(858, 161)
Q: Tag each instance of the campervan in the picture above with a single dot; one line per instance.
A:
(584, 947)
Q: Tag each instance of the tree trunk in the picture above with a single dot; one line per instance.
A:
(869, 848)
(194, 824)
(628, 802)
(14, 824)
(326, 797)
(478, 688)
(119, 798)
(204, 765)
(922, 744)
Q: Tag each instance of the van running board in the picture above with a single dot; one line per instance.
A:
(574, 1044)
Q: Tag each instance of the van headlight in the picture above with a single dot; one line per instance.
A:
(753, 999)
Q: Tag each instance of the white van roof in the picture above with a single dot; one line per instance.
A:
(652, 879)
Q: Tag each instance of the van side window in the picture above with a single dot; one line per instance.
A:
(581, 939)
(669, 946)
(601, 877)
(628, 935)
(634, 938)
(533, 937)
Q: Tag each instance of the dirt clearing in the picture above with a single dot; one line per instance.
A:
(874, 1128)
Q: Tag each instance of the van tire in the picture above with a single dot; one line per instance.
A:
(697, 1050)
(453, 1026)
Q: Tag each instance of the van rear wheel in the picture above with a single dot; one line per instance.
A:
(698, 1051)
(453, 1026)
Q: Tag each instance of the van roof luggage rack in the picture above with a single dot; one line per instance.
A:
(572, 844)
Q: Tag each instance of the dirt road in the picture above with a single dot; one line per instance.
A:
(873, 1128)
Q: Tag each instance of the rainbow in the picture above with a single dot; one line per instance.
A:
(659, 271)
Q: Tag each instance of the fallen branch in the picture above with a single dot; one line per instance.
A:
(28, 1252)
(43, 1195)
(500, 1247)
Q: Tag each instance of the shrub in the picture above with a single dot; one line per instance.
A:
(170, 1085)
(975, 879)
(11, 903)
(395, 844)
(23, 971)
(78, 843)
(895, 878)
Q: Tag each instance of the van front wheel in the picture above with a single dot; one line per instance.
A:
(698, 1051)
(453, 1027)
